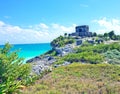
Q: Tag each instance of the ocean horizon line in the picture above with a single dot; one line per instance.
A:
(25, 43)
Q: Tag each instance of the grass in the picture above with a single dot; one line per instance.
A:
(79, 79)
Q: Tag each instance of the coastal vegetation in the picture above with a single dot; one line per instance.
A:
(94, 54)
(113, 56)
(84, 57)
(13, 73)
(109, 36)
(62, 41)
(100, 48)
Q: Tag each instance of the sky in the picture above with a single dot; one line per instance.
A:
(40, 21)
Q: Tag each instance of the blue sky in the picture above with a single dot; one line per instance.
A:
(38, 21)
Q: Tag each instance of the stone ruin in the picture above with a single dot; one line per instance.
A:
(82, 31)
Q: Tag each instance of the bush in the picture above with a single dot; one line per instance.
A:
(12, 70)
(62, 41)
(100, 48)
(84, 57)
(89, 57)
(113, 56)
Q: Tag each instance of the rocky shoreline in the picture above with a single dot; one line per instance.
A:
(40, 64)
(45, 62)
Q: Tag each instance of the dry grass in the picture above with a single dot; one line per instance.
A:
(79, 79)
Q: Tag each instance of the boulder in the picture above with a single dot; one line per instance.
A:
(37, 58)
(64, 50)
(40, 64)
(38, 69)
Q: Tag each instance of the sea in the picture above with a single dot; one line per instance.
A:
(28, 51)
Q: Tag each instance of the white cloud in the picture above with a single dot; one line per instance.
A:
(106, 25)
(64, 28)
(2, 23)
(39, 33)
(44, 26)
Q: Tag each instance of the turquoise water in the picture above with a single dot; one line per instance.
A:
(28, 51)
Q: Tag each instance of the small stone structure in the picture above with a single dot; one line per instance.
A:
(82, 31)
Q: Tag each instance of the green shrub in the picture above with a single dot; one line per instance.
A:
(100, 48)
(113, 56)
(84, 57)
(89, 57)
(62, 41)
(12, 70)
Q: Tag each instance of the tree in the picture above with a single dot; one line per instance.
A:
(111, 34)
(12, 70)
(106, 35)
(118, 37)
(100, 35)
(94, 34)
(60, 38)
(65, 34)
(114, 37)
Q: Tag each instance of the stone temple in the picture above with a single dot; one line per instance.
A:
(82, 31)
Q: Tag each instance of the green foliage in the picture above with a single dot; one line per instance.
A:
(12, 70)
(62, 41)
(94, 34)
(89, 54)
(65, 34)
(100, 35)
(89, 57)
(84, 57)
(113, 56)
(100, 48)
(110, 51)
(106, 35)
(86, 44)
(117, 37)
(111, 34)
(93, 54)
(59, 61)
